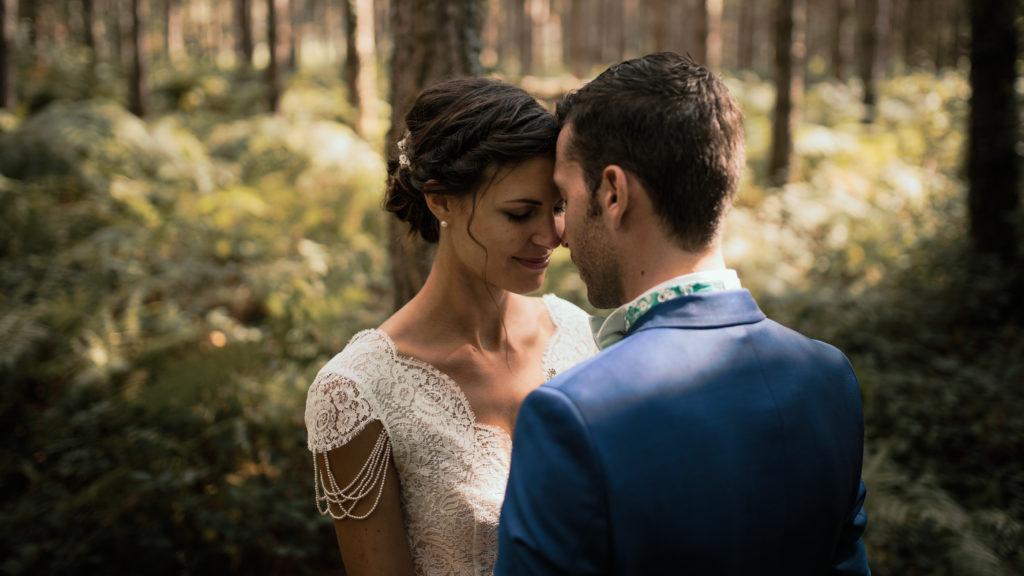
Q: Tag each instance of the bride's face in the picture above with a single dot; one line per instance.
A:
(505, 235)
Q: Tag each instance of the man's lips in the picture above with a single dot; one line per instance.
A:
(533, 263)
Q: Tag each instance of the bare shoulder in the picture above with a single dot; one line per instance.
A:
(405, 328)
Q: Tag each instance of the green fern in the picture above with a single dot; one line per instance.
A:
(915, 527)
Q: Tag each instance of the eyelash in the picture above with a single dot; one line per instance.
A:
(559, 209)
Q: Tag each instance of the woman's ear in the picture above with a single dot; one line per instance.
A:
(440, 205)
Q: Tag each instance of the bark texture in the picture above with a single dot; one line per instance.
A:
(434, 40)
(789, 65)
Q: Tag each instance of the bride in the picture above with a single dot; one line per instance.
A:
(410, 425)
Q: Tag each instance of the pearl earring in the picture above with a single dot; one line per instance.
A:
(444, 224)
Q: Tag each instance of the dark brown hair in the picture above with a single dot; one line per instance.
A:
(458, 131)
(675, 126)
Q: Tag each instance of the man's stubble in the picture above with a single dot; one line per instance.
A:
(597, 258)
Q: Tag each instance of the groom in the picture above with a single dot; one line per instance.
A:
(705, 438)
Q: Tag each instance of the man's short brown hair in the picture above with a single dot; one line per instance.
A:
(675, 126)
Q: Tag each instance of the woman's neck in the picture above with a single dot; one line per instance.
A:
(458, 303)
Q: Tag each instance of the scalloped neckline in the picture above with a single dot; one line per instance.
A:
(454, 386)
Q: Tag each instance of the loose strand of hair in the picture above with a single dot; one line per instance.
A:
(488, 285)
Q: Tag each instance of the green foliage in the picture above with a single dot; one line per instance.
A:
(164, 306)
(168, 288)
(868, 251)
(918, 528)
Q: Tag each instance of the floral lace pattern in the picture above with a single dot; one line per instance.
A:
(452, 469)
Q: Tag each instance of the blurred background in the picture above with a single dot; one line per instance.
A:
(190, 226)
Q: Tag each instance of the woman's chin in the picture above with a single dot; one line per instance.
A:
(529, 285)
(523, 284)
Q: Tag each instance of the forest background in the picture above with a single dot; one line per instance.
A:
(190, 226)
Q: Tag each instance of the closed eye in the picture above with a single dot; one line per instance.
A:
(519, 216)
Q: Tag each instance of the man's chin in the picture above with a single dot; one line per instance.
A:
(601, 300)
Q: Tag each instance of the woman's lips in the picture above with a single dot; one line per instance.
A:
(533, 263)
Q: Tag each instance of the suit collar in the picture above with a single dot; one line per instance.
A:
(615, 326)
(713, 310)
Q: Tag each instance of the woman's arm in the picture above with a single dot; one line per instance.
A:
(376, 544)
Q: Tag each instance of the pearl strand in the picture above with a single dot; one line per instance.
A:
(373, 474)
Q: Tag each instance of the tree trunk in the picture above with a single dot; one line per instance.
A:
(434, 40)
(243, 17)
(174, 40)
(273, 86)
(789, 65)
(633, 28)
(295, 38)
(525, 21)
(885, 21)
(350, 68)
(30, 13)
(840, 15)
(136, 88)
(700, 31)
(382, 25)
(708, 36)
(116, 33)
(88, 32)
(936, 10)
(867, 26)
(566, 24)
(277, 35)
(956, 42)
(912, 15)
(715, 8)
(658, 17)
(506, 32)
(8, 27)
(366, 83)
(992, 161)
(491, 35)
(58, 20)
(745, 35)
(612, 37)
(334, 27)
(223, 28)
(577, 39)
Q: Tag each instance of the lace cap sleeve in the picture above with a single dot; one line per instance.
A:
(339, 403)
(337, 410)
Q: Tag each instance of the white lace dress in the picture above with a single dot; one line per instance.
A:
(452, 469)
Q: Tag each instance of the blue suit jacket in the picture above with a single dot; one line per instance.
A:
(710, 441)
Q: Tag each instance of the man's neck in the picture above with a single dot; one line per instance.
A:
(655, 267)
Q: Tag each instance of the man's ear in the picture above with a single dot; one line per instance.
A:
(614, 195)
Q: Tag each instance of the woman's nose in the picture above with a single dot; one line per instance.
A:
(551, 234)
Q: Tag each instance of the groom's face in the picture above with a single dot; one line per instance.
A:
(586, 235)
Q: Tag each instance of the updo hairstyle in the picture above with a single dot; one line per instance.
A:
(458, 131)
